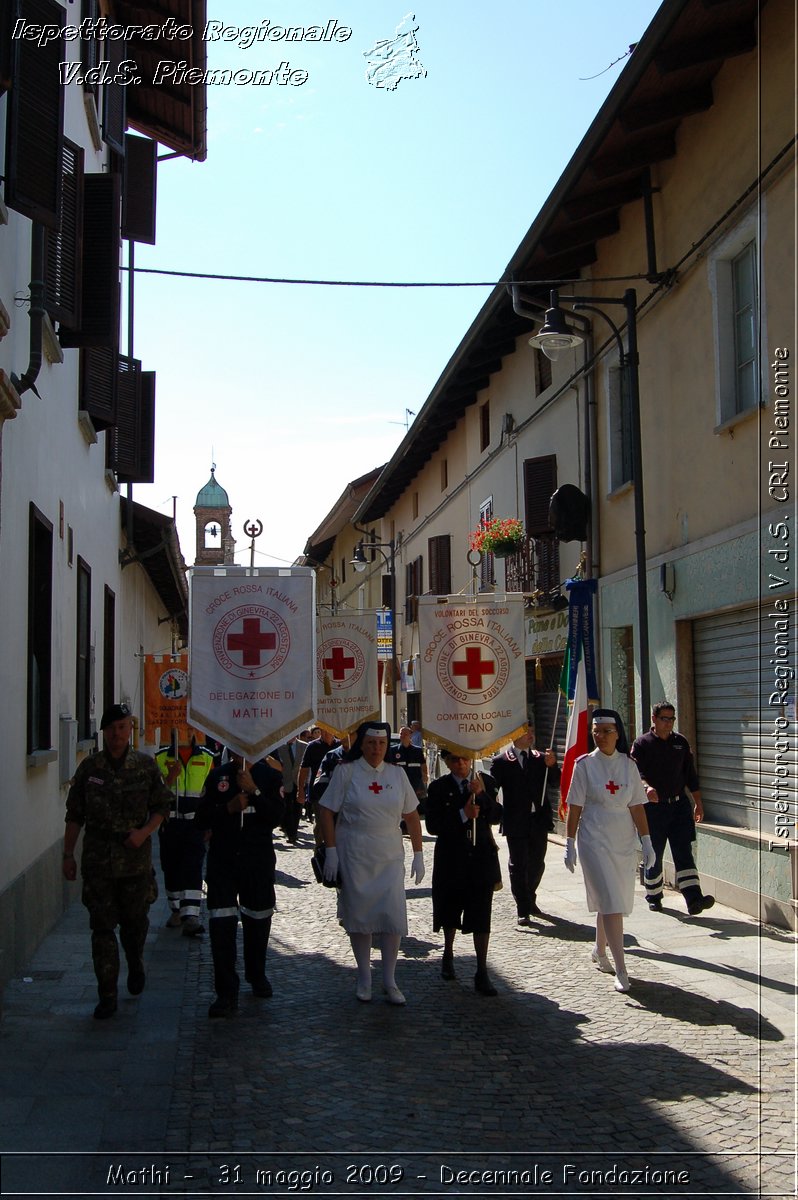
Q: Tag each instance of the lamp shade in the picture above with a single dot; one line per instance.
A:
(554, 335)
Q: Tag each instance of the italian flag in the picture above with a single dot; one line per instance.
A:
(576, 737)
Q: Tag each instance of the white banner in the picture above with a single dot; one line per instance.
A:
(473, 672)
(252, 678)
(346, 672)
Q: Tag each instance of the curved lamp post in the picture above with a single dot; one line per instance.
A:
(552, 339)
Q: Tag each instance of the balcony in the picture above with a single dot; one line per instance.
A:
(536, 566)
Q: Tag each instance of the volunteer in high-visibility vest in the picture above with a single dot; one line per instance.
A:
(182, 843)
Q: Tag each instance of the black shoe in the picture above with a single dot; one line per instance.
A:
(224, 1006)
(136, 980)
(261, 987)
(522, 921)
(535, 911)
(700, 905)
(447, 968)
(655, 905)
(106, 1008)
(483, 985)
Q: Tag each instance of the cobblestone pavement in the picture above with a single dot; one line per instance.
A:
(688, 1081)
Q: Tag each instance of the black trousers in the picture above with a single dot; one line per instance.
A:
(673, 823)
(182, 859)
(243, 888)
(527, 864)
(293, 811)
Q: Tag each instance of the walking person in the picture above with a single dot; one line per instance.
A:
(118, 797)
(241, 807)
(673, 805)
(606, 805)
(460, 811)
(523, 774)
(359, 816)
(182, 844)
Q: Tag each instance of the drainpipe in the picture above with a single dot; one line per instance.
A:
(27, 382)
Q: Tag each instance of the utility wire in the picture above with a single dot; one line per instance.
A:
(372, 283)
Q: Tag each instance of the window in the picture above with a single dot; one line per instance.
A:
(734, 283)
(40, 610)
(620, 418)
(484, 425)
(414, 503)
(444, 474)
(130, 444)
(542, 372)
(414, 586)
(540, 483)
(99, 267)
(440, 564)
(487, 576)
(109, 654)
(83, 673)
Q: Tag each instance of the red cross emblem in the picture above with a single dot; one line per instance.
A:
(473, 668)
(338, 663)
(612, 787)
(375, 787)
(251, 642)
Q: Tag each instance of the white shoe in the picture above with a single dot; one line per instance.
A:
(363, 992)
(601, 961)
(393, 995)
(622, 983)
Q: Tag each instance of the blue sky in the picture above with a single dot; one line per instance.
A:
(295, 390)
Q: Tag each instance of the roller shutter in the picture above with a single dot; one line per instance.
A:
(735, 748)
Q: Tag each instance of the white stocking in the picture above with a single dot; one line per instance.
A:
(389, 948)
(361, 948)
(601, 936)
(613, 931)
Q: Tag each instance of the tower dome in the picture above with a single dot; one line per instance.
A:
(212, 511)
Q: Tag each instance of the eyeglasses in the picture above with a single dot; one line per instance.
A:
(669, 720)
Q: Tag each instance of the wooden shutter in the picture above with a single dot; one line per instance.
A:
(99, 324)
(139, 189)
(35, 128)
(387, 591)
(98, 390)
(123, 441)
(440, 564)
(63, 249)
(146, 447)
(540, 483)
(113, 126)
(414, 576)
(8, 13)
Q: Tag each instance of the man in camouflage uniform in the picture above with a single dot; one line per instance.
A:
(119, 798)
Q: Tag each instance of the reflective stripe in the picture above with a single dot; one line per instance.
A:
(181, 816)
(214, 913)
(686, 879)
(189, 910)
(192, 894)
(654, 881)
(249, 809)
(261, 915)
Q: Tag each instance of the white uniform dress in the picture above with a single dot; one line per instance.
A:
(605, 786)
(370, 802)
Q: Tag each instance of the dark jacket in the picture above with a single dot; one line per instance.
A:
(248, 833)
(456, 857)
(524, 804)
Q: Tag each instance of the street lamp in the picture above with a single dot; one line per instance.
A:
(360, 562)
(553, 338)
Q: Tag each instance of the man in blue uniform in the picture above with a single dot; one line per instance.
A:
(666, 766)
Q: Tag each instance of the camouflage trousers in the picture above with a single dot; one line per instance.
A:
(124, 902)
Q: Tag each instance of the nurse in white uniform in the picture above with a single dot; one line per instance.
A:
(606, 802)
(364, 846)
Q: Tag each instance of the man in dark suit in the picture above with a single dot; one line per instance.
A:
(460, 811)
(523, 775)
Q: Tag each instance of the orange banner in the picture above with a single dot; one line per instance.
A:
(166, 699)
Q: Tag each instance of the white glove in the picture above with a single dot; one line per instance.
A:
(417, 869)
(649, 857)
(569, 858)
(331, 864)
